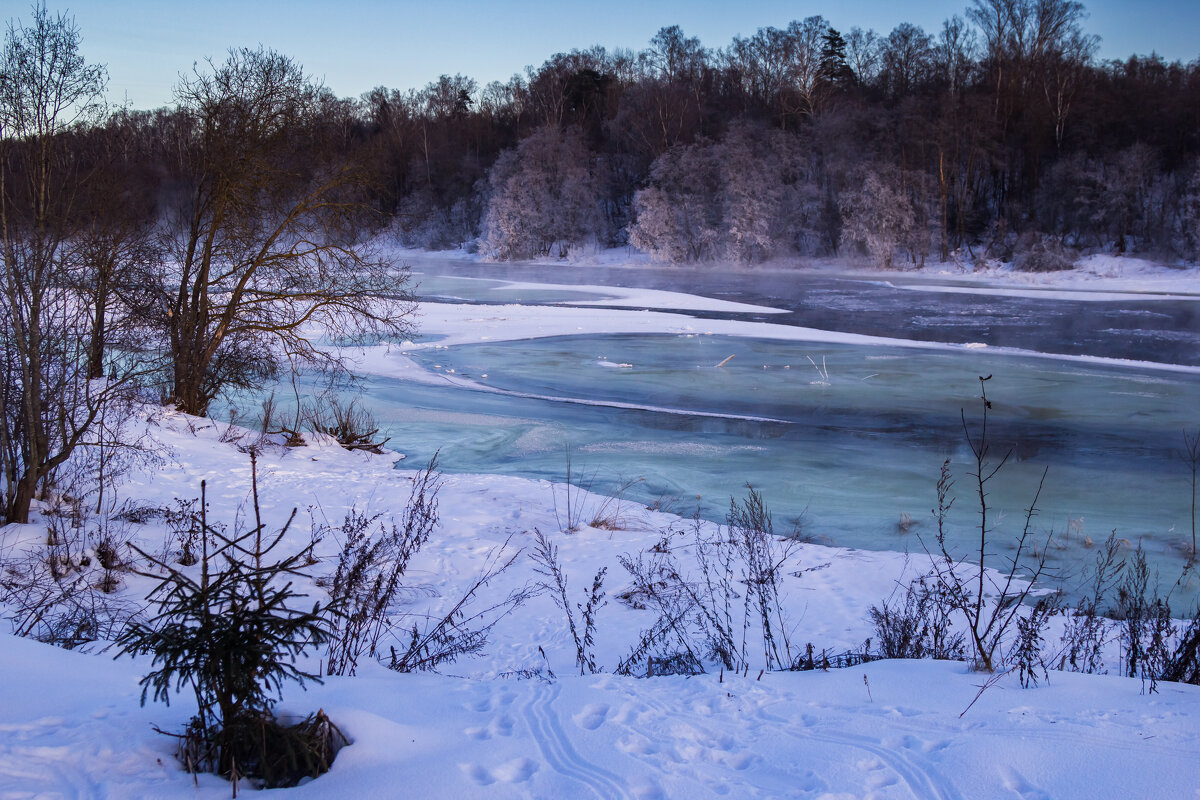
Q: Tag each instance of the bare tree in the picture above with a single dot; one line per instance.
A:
(862, 54)
(1065, 69)
(265, 243)
(954, 53)
(47, 403)
(114, 247)
(907, 55)
(784, 67)
(989, 601)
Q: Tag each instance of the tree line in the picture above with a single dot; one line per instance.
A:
(999, 135)
(178, 252)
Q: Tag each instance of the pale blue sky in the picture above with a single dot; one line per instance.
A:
(355, 45)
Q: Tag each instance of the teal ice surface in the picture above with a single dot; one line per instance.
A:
(843, 445)
(842, 440)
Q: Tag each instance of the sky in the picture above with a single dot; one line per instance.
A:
(355, 45)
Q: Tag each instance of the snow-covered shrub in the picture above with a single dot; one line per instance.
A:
(1037, 252)
(543, 199)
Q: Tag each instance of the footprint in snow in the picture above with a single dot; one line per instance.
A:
(1016, 783)
(501, 726)
(881, 780)
(637, 745)
(477, 773)
(737, 761)
(515, 771)
(592, 716)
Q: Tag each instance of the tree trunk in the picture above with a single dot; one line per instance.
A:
(188, 386)
(95, 365)
(18, 512)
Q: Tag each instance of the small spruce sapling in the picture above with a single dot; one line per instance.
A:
(231, 632)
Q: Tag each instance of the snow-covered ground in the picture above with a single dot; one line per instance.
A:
(71, 725)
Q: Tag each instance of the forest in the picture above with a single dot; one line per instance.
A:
(1000, 135)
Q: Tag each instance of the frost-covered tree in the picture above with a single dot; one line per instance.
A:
(1121, 201)
(543, 197)
(750, 197)
(877, 215)
(678, 217)
(744, 199)
(1190, 213)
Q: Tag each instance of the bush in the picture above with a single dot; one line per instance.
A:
(733, 602)
(351, 425)
(545, 555)
(991, 605)
(1036, 252)
(63, 590)
(1086, 631)
(917, 628)
(368, 586)
(368, 577)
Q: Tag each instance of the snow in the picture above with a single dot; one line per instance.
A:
(449, 324)
(71, 724)
(648, 298)
(1096, 278)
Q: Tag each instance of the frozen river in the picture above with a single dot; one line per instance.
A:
(844, 439)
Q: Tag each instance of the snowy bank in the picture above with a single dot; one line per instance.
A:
(500, 726)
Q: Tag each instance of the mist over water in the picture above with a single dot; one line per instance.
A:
(1137, 328)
